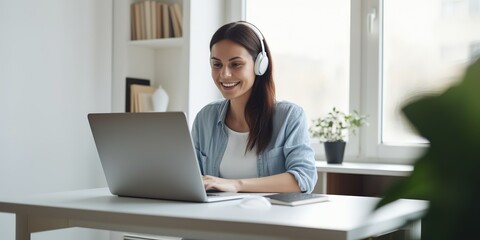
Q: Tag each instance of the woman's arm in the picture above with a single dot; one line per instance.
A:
(293, 139)
(283, 182)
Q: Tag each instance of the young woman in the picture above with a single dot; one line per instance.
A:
(249, 142)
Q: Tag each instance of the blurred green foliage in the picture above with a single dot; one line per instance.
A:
(448, 174)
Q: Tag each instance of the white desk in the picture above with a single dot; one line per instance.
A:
(343, 217)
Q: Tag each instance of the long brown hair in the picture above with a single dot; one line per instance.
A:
(261, 104)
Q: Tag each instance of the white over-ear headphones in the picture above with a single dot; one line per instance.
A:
(261, 62)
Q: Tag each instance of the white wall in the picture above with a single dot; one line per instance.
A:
(202, 89)
(55, 67)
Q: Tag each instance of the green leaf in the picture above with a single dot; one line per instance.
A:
(448, 175)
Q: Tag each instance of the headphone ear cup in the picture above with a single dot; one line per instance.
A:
(261, 64)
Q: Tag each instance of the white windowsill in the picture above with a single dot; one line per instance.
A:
(365, 168)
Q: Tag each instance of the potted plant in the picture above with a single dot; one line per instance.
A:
(333, 130)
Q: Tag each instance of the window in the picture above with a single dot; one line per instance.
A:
(310, 53)
(426, 46)
(369, 55)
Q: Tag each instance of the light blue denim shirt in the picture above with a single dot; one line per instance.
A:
(288, 151)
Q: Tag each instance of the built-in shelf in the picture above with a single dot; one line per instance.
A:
(168, 62)
(158, 43)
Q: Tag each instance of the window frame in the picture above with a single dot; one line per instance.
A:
(372, 78)
(365, 86)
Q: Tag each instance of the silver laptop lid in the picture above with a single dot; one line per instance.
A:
(149, 155)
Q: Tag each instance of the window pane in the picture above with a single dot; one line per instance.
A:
(310, 44)
(427, 45)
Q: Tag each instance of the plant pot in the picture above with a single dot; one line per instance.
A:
(334, 151)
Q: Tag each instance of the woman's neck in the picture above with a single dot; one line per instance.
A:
(235, 119)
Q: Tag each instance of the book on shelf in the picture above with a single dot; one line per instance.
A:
(152, 19)
(128, 95)
(166, 25)
(148, 19)
(296, 199)
(133, 29)
(135, 25)
(138, 22)
(177, 30)
(143, 32)
(178, 14)
(141, 98)
(153, 15)
(158, 19)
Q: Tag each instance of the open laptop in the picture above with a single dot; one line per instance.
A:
(150, 155)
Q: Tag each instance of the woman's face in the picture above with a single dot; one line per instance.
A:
(232, 70)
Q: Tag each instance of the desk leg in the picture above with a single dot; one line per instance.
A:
(414, 230)
(26, 225)
(21, 230)
(322, 187)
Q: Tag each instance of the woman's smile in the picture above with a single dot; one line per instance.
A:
(229, 85)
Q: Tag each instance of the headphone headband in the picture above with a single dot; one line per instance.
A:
(256, 31)
(261, 62)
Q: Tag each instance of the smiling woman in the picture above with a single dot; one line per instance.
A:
(249, 142)
(233, 76)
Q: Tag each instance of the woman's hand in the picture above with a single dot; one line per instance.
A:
(220, 184)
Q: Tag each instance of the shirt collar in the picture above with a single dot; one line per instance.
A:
(223, 112)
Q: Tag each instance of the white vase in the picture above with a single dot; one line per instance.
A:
(160, 100)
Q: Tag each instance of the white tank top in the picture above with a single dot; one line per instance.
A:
(237, 164)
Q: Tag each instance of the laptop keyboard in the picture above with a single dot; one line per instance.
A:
(212, 194)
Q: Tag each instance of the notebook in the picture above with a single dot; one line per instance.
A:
(150, 155)
(296, 198)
